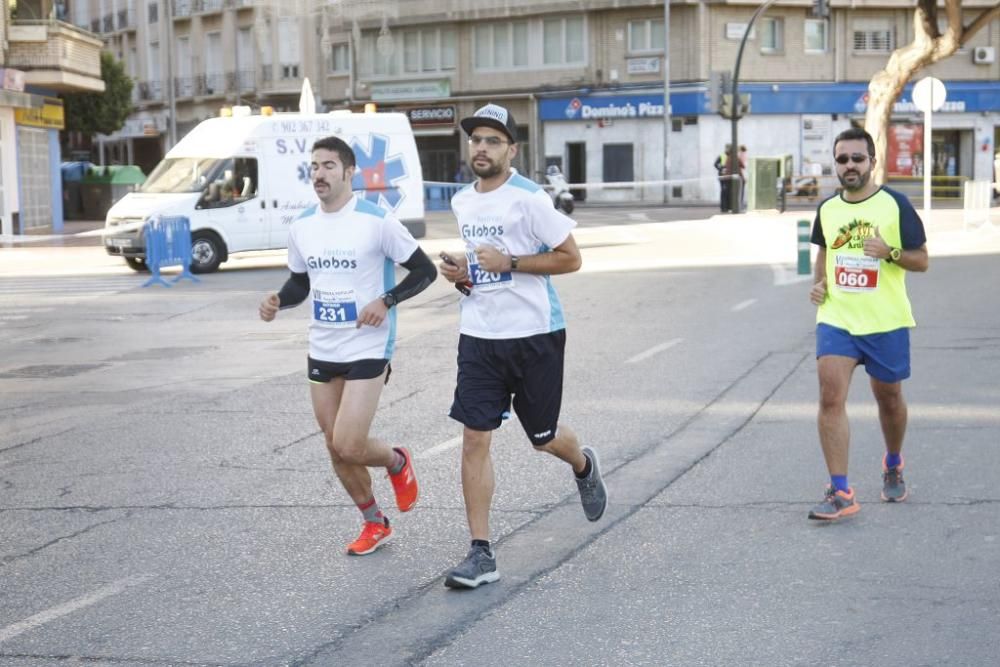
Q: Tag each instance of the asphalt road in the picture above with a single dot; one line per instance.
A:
(167, 500)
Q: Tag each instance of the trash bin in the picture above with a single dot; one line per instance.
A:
(72, 175)
(763, 183)
(103, 186)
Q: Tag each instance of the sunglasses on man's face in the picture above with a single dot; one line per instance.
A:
(856, 158)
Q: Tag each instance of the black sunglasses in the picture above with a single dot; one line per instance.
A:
(856, 158)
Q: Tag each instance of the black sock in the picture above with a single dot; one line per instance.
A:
(585, 473)
(482, 544)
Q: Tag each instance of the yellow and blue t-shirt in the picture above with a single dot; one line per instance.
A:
(866, 295)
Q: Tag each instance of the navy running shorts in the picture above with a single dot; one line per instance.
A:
(491, 372)
(886, 356)
(362, 369)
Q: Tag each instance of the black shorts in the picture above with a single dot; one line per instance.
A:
(362, 369)
(491, 371)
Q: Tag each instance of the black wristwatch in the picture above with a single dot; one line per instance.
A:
(514, 261)
(389, 299)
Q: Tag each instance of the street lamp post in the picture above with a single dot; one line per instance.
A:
(666, 101)
(735, 189)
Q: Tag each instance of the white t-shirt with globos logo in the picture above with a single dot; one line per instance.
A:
(519, 219)
(350, 256)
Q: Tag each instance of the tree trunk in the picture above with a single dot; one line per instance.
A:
(929, 46)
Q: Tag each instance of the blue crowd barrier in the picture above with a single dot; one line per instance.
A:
(168, 243)
(437, 195)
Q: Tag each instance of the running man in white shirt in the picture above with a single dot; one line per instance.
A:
(513, 335)
(342, 257)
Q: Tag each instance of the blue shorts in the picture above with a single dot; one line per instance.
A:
(530, 370)
(886, 356)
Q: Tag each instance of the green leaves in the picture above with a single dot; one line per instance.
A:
(106, 112)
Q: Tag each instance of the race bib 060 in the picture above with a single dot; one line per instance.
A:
(856, 273)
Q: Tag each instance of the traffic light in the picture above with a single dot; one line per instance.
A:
(726, 106)
(719, 82)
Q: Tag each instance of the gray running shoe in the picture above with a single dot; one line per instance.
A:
(893, 486)
(835, 505)
(479, 567)
(593, 493)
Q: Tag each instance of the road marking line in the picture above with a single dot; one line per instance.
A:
(41, 618)
(654, 350)
(744, 304)
(439, 449)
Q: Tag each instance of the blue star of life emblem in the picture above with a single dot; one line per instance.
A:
(378, 175)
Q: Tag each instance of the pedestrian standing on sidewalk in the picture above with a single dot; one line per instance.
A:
(721, 165)
(512, 337)
(869, 237)
(340, 257)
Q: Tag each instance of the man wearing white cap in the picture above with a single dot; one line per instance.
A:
(513, 336)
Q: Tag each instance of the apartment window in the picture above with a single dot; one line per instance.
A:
(516, 45)
(154, 12)
(771, 35)
(562, 41)
(645, 36)
(873, 36)
(340, 58)
(816, 36)
(413, 51)
(288, 47)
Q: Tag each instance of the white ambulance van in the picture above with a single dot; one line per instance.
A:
(242, 179)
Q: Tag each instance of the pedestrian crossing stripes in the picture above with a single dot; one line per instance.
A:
(75, 286)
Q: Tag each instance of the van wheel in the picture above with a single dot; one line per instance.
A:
(567, 206)
(206, 252)
(137, 264)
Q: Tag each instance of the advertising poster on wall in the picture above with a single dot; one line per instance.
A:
(905, 150)
(817, 139)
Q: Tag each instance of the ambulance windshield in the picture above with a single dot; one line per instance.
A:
(183, 174)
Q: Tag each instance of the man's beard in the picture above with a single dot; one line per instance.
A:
(489, 171)
(862, 181)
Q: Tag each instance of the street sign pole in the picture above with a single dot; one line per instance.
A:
(928, 96)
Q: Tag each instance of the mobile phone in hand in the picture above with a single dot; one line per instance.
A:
(466, 287)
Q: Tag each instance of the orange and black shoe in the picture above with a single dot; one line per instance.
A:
(404, 483)
(373, 535)
(835, 505)
(893, 486)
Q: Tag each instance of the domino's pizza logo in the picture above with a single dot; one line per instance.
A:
(378, 175)
(573, 108)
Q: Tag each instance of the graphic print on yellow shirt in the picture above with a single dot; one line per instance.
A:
(866, 295)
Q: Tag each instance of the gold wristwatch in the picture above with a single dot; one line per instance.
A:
(895, 254)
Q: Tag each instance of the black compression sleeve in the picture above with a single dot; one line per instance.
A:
(294, 291)
(422, 273)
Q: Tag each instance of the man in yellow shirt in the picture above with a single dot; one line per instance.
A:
(868, 237)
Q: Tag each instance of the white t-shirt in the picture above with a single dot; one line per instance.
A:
(350, 256)
(519, 219)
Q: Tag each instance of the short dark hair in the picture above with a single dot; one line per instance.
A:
(856, 133)
(338, 146)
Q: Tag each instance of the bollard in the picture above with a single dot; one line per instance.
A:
(804, 259)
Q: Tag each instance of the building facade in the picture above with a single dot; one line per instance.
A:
(41, 57)
(584, 79)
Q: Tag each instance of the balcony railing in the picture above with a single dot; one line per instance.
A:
(242, 81)
(55, 54)
(126, 19)
(209, 6)
(150, 91)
